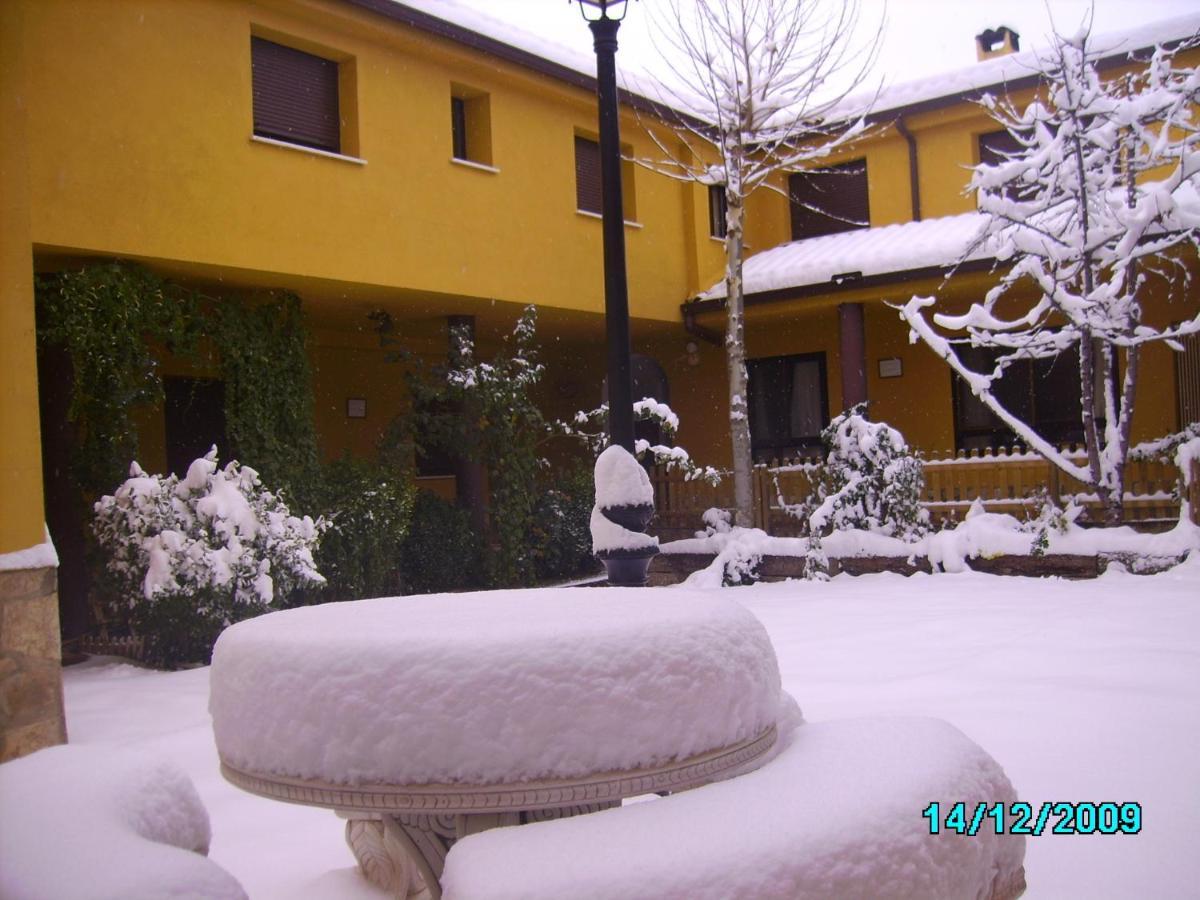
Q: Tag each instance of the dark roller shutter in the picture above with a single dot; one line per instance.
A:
(996, 147)
(295, 96)
(587, 176)
(830, 200)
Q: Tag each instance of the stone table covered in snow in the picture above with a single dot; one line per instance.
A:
(425, 719)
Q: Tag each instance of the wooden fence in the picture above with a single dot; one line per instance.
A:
(1004, 481)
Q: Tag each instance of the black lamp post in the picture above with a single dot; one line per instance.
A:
(625, 567)
(604, 18)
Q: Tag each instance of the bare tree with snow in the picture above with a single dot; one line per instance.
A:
(757, 76)
(1098, 200)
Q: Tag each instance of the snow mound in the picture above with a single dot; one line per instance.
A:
(621, 480)
(93, 822)
(490, 687)
(836, 815)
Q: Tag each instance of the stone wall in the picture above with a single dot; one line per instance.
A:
(31, 693)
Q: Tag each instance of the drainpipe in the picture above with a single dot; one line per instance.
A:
(695, 329)
(914, 173)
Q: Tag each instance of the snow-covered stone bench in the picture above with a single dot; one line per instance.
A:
(837, 815)
(94, 822)
(425, 719)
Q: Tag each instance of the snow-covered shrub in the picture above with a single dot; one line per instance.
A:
(870, 480)
(189, 557)
(740, 555)
(1050, 517)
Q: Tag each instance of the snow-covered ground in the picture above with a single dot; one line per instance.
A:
(1084, 691)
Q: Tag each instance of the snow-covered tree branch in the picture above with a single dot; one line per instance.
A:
(591, 427)
(756, 77)
(1098, 203)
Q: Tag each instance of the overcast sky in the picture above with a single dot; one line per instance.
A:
(921, 37)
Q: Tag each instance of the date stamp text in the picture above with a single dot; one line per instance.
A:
(1022, 818)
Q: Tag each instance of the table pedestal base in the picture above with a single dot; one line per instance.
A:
(405, 853)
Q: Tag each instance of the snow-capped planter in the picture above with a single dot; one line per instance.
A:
(624, 507)
(837, 814)
(85, 821)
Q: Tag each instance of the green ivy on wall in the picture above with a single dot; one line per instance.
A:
(104, 320)
(109, 320)
(261, 344)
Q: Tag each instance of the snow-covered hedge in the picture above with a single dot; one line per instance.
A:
(188, 557)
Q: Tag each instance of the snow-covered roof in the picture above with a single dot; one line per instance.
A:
(867, 252)
(581, 59)
(994, 73)
(976, 78)
(464, 24)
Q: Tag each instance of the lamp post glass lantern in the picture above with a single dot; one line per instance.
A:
(604, 18)
(603, 9)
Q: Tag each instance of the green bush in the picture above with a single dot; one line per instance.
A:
(367, 510)
(562, 534)
(442, 551)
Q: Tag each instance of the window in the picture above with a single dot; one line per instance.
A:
(789, 405)
(458, 127)
(295, 96)
(587, 176)
(829, 200)
(470, 125)
(1041, 392)
(996, 147)
(718, 210)
(588, 195)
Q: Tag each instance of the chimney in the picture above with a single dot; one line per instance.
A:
(993, 42)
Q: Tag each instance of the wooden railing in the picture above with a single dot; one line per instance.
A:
(1004, 481)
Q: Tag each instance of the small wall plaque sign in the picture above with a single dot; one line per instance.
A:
(891, 367)
(356, 407)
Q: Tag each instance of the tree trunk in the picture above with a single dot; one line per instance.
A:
(1087, 396)
(735, 355)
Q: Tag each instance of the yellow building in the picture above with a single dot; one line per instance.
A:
(822, 332)
(367, 155)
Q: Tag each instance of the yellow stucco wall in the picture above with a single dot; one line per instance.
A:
(166, 169)
(153, 159)
(21, 513)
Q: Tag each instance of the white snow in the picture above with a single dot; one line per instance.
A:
(96, 822)
(39, 556)
(609, 537)
(621, 480)
(1081, 690)
(490, 687)
(884, 250)
(836, 815)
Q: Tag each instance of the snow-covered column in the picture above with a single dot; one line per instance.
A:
(624, 507)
